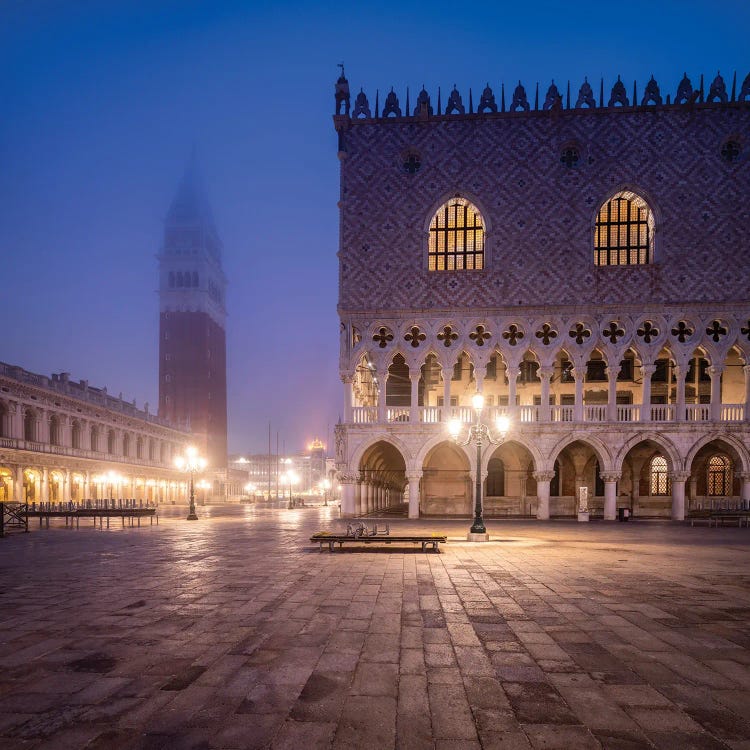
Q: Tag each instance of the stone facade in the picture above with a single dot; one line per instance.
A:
(604, 370)
(62, 440)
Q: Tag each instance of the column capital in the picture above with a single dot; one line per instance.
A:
(610, 476)
(743, 475)
(414, 476)
(346, 377)
(349, 477)
(647, 370)
(544, 476)
(679, 476)
(546, 372)
(715, 370)
(746, 369)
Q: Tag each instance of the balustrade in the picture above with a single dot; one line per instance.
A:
(525, 413)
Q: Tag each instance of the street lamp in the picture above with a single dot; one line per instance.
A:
(325, 485)
(290, 478)
(204, 485)
(191, 463)
(479, 433)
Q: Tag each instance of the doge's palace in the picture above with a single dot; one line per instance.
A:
(581, 258)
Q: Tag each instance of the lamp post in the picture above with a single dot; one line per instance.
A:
(191, 463)
(290, 478)
(479, 433)
(325, 485)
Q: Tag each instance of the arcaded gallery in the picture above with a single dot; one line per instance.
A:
(581, 260)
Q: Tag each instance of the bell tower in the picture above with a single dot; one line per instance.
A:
(192, 318)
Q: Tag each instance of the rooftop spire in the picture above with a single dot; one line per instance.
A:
(190, 204)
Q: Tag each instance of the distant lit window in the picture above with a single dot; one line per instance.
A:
(456, 237)
(624, 232)
(719, 480)
(660, 484)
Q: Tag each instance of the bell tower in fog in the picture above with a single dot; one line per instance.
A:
(192, 321)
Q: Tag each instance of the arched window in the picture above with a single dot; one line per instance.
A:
(111, 442)
(660, 484)
(126, 444)
(624, 232)
(139, 448)
(29, 425)
(94, 439)
(719, 479)
(456, 237)
(75, 435)
(54, 430)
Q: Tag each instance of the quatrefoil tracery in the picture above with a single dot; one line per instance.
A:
(546, 333)
(647, 331)
(683, 331)
(613, 332)
(415, 336)
(447, 335)
(745, 330)
(579, 332)
(383, 337)
(716, 330)
(479, 335)
(513, 335)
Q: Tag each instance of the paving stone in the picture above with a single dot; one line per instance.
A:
(508, 644)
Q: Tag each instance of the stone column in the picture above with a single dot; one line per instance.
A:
(578, 373)
(610, 480)
(348, 482)
(347, 382)
(446, 394)
(612, 393)
(18, 484)
(744, 488)
(678, 494)
(647, 371)
(414, 410)
(414, 494)
(679, 408)
(512, 372)
(17, 412)
(66, 487)
(746, 370)
(715, 372)
(545, 373)
(543, 478)
(45, 486)
(382, 408)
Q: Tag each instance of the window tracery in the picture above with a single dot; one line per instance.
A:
(719, 476)
(456, 239)
(660, 483)
(624, 231)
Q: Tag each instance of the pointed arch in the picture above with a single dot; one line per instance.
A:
(380, 437)
(588, 439)
(734, 447)
(663, 443)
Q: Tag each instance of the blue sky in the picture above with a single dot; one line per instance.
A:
(102, 102)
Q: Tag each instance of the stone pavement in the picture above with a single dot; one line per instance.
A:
(235, 632)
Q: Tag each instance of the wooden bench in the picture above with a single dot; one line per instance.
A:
(426, 540)
(94, 513)
(716, 518)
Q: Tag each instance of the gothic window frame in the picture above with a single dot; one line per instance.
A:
(444, 253)
(659, 482)
(621, 251)
(719, 475)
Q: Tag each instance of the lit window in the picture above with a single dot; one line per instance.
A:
(719, 479)
(660, 483)
(624, 232)
(456, 238)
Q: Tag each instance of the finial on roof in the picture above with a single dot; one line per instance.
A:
(536, 98)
